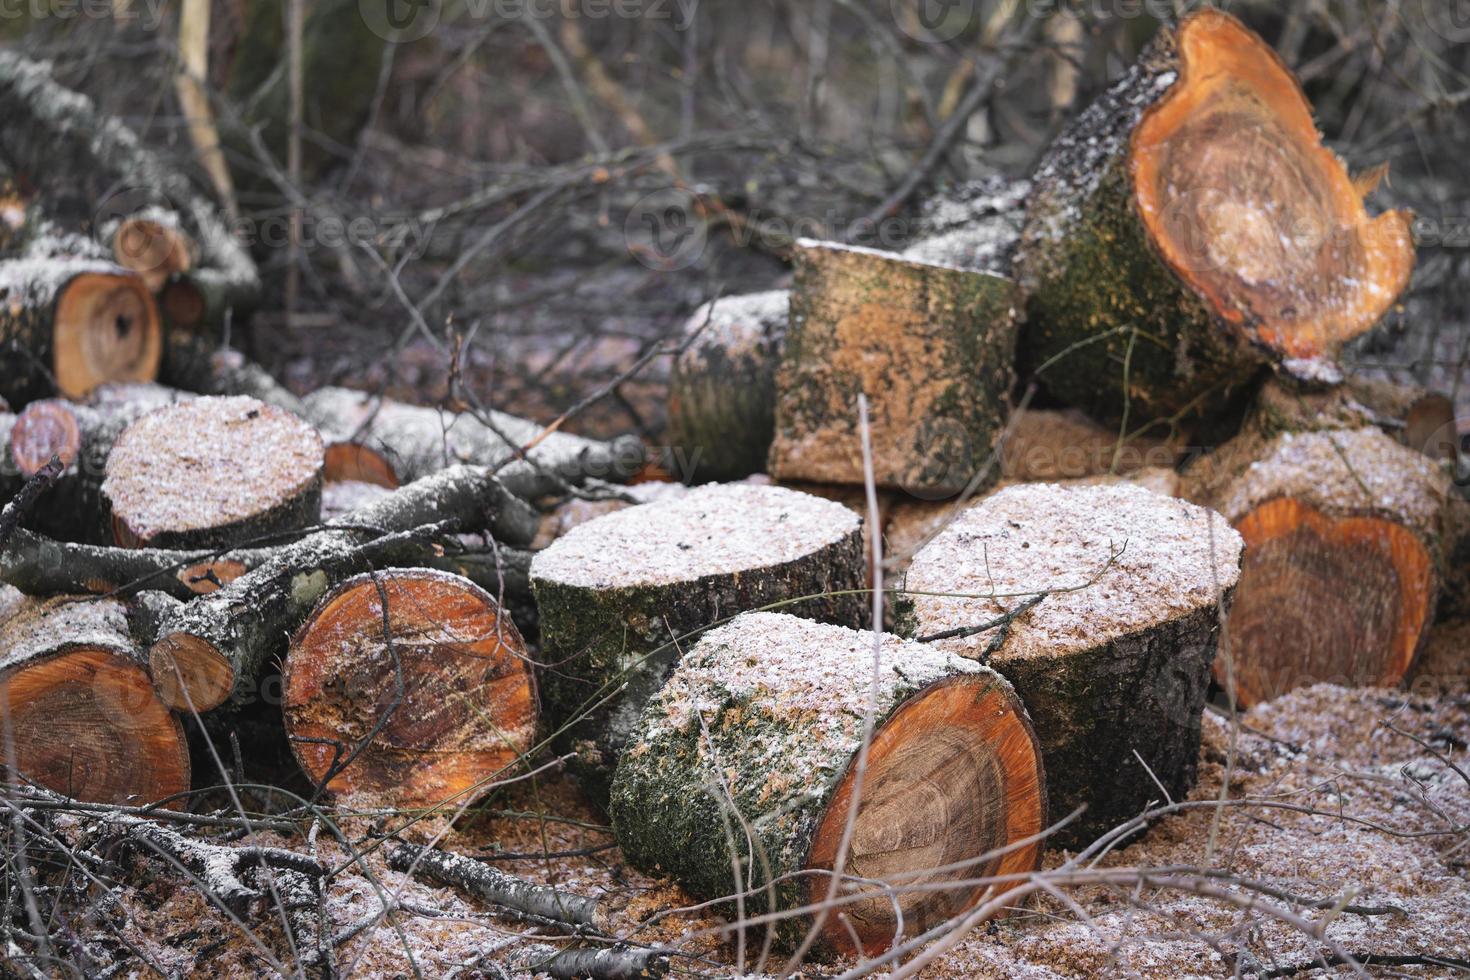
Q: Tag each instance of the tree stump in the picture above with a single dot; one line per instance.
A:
(408, 688)
(932, 346)
(620, 596)
(1189, 227)
(76, 705)
(69, 324)
(213, 473)
(1345, 544)
(1115, 659)
(722, 392)
(759, 728)
(216, 646)
(378, 440)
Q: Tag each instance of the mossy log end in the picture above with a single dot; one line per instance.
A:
(1346, 545)
(1115, 659)
(213, 473)
(931, 346)
(722, 390)
(408, 688)
(216, 645)
(1190, 227)
(77, 707)
(378, 440)
(68, 325)
(621, 596)
(759, 728)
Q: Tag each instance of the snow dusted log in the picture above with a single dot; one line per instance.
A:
(540, 902)
(621, 596)
(213, 473)
(10, 477)
(86, 153)
(196, 364)
(932, 346)
(722, 391)
(1114, 659)
(756, 733)
(70, 324)
(408, 688)
(1345, 547)
(1051, 444)
(218, 643)
(1189, 227)
(154, 244)
(1420, 419)
(77, 708)
(584, 963)
(378, 440)
(975, 226)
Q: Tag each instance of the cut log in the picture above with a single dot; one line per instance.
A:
(69, 325)
(974, 226)
(759, 728)
(154, 244)
(195, 364)
(1420, 419)
(932, 347)
(77, 709)
(621, 596)
(1190, 227)
(722, 391)
(218, 644)
(1050, 445)
(213, 473)
(408, 689)
(1345, 543)
(378, 440)
(1115, 659)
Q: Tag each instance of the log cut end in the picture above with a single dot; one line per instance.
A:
(350, 462)
(465, 711)
(953, 776)
(1248, 207)
(154, 247)
(106, 328)
(190, 674)
(44, 429)
(79, 712)
(213, 472)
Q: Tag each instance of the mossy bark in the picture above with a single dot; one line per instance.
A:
(931, 346)
(608, 650)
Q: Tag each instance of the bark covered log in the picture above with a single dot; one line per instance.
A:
(1346, 547)
(576, 913)
(1418, 418)
(197, 364)
(931, 346)
(212, 473)
(406, 689)
(741, 775)
(975, 226)
(1189, 227)
(621, 596)
(1115, 657)
(722, 391)
(78, 710)
(218, 643)
(379, 440)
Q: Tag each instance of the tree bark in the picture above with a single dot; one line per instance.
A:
(542, 903)
(77, 707)
(621, 596)
(217, 644)
(1346, 546)
(1189, 228)
(1114, 658)
(931, 346)
(247, 471)
(742, 774)
(722, 391)
(408, 689)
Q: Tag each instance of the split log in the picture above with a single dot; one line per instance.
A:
(153, 243)
(1190, 227)
(378, 440)
(722, 390)
(407, 689)
(1345, 545)
(77, 708)
(932, 346)
(58, 140)
(620, 596)
(69, 325)
(216, 645)
(213, 473)
(1114, 658)
(759, 728)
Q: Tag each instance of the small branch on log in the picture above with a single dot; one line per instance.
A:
(574, 914)
(15, 511)
(614, 963)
